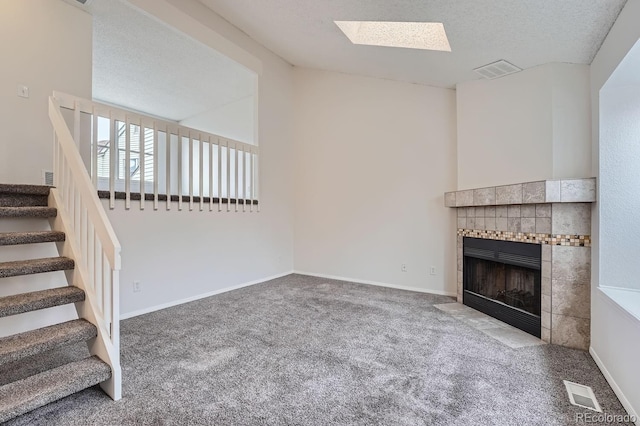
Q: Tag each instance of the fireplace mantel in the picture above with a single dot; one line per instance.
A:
(540, 192)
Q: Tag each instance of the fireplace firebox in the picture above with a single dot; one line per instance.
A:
(502, 279)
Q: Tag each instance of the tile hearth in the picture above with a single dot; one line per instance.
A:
(555, 214)
(504, 333)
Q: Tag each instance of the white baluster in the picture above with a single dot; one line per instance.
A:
(179, 169)
(94, 148)
(127, 164)
(210, 174)
(106, 290)
(219, 175)
(244, 181)
(76, 123)
(155, 165)
(115, 308)
(236, 171)
(201, 174)
(228, 177)
(251, 180)
(168, 168)
(143, 149)
(190, 172)
(113, 157)
(256, 182)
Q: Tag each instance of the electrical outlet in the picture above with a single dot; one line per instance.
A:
(23, 91)
(432, 270)
(136, 287)
(403, 267)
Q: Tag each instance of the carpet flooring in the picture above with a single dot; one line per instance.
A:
(309, 351)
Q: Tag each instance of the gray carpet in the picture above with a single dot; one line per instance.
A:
(19, 346)
(35, 266)
(16, 238)
(23, 195)
(19, 397)
(35, 300)
(29, 211)
(310, 351)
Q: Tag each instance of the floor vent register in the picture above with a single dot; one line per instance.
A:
(582, 396)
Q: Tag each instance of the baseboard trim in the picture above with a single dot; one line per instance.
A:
(616, 389)
(376, 283)
(199, 296)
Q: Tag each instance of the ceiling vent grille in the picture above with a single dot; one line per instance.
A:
(82, 4)
(497, 69)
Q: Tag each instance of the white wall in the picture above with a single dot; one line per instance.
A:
(619, 186)
(500, 121)
(41, 53)
(615, 334)
(527, 126)
(38, 52)
(234, 120)
(181, 255)
(373, 159)
(571, 115)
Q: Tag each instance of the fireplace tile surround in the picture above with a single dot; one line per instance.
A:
(555, 214)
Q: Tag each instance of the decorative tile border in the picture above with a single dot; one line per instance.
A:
(532, 238)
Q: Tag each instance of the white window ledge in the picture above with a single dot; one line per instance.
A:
(628, 299)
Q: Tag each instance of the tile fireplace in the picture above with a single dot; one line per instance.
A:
(533, 240)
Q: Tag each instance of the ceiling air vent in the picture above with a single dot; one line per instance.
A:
(82, 4)
(497, 69)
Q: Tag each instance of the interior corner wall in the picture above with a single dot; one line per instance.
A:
(46, 46)
(373, 160)
(505, 129)
(571, 115)
(528, 126)
(182, 255)
(234, 120)
(615, 334)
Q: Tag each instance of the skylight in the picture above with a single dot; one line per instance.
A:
(411, 35)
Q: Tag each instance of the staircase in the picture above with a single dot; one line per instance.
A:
(28, 202)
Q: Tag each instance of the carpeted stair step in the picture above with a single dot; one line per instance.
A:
(16, 200)
(27, 302)
(28, 212)
(18, 346)
(15, 238)
(36, 391)
(23, 195)
(35, 266)
(19, 189)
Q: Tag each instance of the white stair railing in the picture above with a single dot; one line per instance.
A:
(158, 160)
(91, 242)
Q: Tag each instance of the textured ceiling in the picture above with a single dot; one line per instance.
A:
(142, 64)
(524, 32)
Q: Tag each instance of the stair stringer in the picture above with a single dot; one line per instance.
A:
(101, 346)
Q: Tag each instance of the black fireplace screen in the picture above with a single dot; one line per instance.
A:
(502, 279)
(512, 285)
